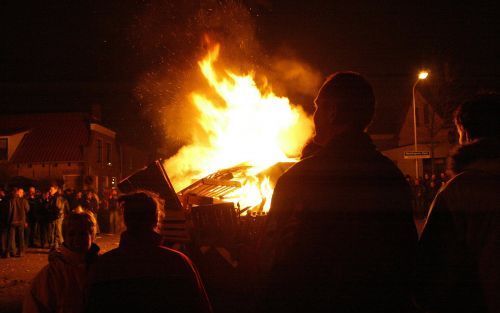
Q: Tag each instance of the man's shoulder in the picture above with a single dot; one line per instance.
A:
(304, 166)
(174, 255)
(158, 251)
(374, 163)
(469, 181)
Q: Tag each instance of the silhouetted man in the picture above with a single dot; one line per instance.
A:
(141, 276)
(19, 209)
(5, 213)
(57, 208)
(340, 235)
(34, 202)
(459, 250)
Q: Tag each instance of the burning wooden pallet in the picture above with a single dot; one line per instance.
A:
(205, 212)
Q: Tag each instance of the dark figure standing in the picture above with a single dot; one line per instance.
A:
(113, 211)
(19, 209)
(419, 196)
(340, 230)
(45, 222)
(4, 223)
(78, 201)
(459, 250)
(57, 208)
(142, 276)
(34, 202)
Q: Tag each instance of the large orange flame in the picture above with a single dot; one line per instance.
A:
(241, 125)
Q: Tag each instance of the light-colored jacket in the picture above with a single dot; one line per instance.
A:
(59, 287)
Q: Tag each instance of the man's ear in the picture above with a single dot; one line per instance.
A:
(463, 136)
(332, 115)
(467, 136)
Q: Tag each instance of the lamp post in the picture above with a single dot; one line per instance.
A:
(421, 76)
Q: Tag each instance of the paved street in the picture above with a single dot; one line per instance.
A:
(16, 273)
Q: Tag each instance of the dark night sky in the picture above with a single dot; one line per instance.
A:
(66, 55)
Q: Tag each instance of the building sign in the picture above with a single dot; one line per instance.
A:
(417, 154)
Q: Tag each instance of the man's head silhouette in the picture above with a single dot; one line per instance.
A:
(345, 102)
(139, 212)
(478, 118)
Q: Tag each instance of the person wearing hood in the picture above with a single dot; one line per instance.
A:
(60, 286)
(459, 249)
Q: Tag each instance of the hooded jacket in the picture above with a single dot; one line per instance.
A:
(459, 249)
(59, 287)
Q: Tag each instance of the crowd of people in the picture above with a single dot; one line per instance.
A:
(34, 218)
(340, 235)
(425, 190)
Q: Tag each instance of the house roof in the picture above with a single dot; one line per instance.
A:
(12, 131)
(51, 137)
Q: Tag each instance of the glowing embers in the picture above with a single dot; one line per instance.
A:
(249, 192)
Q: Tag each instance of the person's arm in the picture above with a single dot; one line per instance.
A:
(39, 298)
(26, 211)
(439, 254)
(204, 302)
(270, 236)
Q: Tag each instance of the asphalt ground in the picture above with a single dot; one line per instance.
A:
(16, 274)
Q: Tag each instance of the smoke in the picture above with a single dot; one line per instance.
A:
(176, 37)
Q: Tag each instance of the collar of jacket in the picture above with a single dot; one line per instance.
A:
(481, 154)
(349, 141)
(137, 240)
(73, 258)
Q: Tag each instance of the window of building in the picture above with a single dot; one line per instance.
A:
(108, 153)
(4, 143)
(99, 151)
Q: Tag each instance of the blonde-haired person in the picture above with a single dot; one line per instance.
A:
(60, 286)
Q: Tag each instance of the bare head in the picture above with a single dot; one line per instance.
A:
(345, 102)
(20, 192)
(79, 231)
(478, 118)
(54, 188)
(139, 212)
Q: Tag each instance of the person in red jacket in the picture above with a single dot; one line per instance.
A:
(142, 276)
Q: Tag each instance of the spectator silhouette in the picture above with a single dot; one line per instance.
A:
(5, 213)
(19, 208)
(142, 276)
(34, 202)
(340, 235)
(459, 250)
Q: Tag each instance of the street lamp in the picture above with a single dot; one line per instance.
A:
(421, 76)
